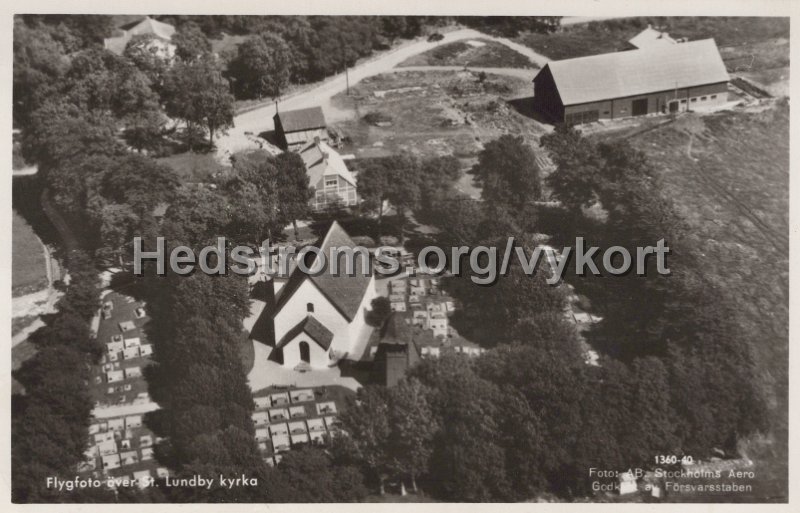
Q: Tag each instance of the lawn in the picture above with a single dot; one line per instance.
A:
(475, 53)
(28, 265)
(193, 167)
(739, 33)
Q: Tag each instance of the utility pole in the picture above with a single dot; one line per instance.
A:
(346, 64)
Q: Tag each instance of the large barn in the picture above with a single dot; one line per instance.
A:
(658, 79)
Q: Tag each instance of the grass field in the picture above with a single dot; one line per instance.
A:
(480, 53)
(28, 265)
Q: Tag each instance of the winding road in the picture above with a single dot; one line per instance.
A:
(260, 119)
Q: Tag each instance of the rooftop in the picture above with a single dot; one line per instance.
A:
(634, 72)
(344, 292)
(650, 37)
(322, 160)
(302, 119)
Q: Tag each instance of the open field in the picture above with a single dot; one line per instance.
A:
(474, 53)
(433, 113)
(612, 35)
(28, 265)
(729, 175)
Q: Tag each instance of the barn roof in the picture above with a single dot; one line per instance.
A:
(302, 119)
(634, 72)
(344, 291)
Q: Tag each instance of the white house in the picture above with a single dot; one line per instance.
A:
(334, 185)
(650, 37)
(316, 319)
(160, 34)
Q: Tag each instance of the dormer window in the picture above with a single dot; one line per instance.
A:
(310, 307)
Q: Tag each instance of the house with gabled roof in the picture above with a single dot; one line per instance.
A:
(315, 319)
(160, 34)
(296, 128)
(334, 185)
(651, 37)
(664, 78)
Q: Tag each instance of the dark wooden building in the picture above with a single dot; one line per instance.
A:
(296, 128)
(397, 352)
(658, 79)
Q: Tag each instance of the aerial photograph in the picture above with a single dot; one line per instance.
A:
(399, 259)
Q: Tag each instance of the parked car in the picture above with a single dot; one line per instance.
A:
(433, 38)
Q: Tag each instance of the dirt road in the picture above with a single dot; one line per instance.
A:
(260, 119)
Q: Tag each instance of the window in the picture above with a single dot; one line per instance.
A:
(704, 98)
(683, 101)
(713, 96)
(310, 307)
(331, 182)
(694, 100)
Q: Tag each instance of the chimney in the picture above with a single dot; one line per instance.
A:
(316, 140)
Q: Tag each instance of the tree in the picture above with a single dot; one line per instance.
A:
(197, 93)
(381, 309)
(413, 427)
(577, 165)
(294, 192)
(261, 66)
(145, 53)
(509, 176)
(39, 62)
(253, 193)
(144, 130)
(190, 42)
(309, 475)
(393, 179)
(367, 421)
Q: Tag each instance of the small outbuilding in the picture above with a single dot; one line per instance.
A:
(296, 128)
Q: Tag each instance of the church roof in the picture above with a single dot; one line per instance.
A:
(311, 327)
(344, 291)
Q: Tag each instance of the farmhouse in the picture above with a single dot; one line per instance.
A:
(657, 79)
(650, 37)
(316, 318)
(159, 43)
(334, 185)
(296, 128)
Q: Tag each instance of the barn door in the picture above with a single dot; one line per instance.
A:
(639, 107)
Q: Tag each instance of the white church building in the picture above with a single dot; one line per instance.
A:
(316, 320)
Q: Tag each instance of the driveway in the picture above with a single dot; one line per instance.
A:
(260, 119)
